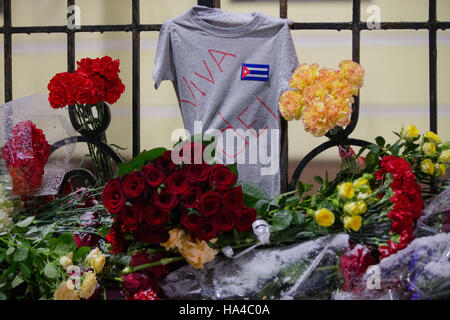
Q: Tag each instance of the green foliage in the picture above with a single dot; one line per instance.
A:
(140, 160)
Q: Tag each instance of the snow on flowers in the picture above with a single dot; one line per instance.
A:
(322, 97)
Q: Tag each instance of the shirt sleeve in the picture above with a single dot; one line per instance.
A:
(288, 58)
(164, 67)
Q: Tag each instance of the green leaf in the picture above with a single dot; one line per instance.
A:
(298, 218)
(125, 167)
(292, 201)
(233, 168)
(2, 255)
(80, 253)
(193, 211)
(3, 296)
(25, 223)
(300, 188)
(10, 251)
(141, 159)
(380, 141)
(254, 191)
(318, 180)
(281, 220)
(17, 281)
(374, 148)
(50, 270)
(64, 244)
(21, 254)
(26, 271)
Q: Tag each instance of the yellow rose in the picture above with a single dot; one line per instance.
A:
(176, 235)
(324, 217)
(66, 261)
(427, 166)
(65, 293)
(89, 285)
(353, 222)
(362, 207)
(96, 259)
(410, 133)
(445, 156)
(429, 148)
(351, 208)
(358, 182)
(345, 190)
(196, 253)
(433, 137)
(440, 169)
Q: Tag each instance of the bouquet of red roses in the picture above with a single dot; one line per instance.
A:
(26, 153)
(183, 207)
(94, 83)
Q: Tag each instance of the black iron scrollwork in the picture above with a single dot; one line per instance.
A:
(86, 136)
(338, 138)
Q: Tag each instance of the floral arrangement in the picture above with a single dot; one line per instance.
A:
(94, 83)
(181, 207)
(26, 153)
(322, 97)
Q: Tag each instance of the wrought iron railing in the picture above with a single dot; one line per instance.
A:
(340, 139)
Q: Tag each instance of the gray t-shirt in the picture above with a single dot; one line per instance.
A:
(228, 71)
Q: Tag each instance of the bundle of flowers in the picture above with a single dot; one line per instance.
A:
(94, 83)
(322, 98)
(26, 152)
(377, 206)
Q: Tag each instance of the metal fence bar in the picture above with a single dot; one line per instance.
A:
(7, 49)
(70, 43)
(284, 142)
(136, 82)
(432, 49)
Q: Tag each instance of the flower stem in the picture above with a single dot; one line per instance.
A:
(162, 262)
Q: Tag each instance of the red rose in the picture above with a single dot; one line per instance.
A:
(149, 234)
(191, 221)
(225, 220)
(165, 162)
(133, 184)
(143, 257)
(153, 176)
(221, 176)
(244, 219)
(207, 230)
(232, 198)
(148, 294)
(353, 265)
(191, 197)
(198, 172)
(155, 216)
(130, 216)
(177, 182)
(112, 196)
(165, 200)
(209, 203)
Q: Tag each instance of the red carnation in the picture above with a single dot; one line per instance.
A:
(191, 197)
(225, 220)
(165, 200)
(222, 177)
(137, 281)
(153, 175)
(112, 196)
(232, 198)
(133, 184)
(209, 203)
(155, 216)
(145, 295)
(244, 218)
(177, 182)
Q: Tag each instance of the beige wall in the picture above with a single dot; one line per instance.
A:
(396, 62)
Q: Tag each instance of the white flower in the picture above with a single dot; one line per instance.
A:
(5, 221)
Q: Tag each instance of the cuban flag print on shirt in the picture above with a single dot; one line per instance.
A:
(256, 72)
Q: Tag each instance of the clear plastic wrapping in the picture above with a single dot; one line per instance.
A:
(29, 128)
